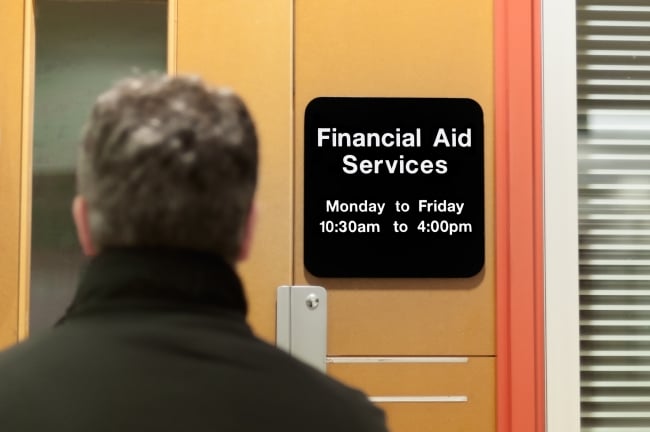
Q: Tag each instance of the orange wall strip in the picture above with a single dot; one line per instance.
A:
(520, 355)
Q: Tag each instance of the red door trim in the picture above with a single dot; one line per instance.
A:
(520, 337)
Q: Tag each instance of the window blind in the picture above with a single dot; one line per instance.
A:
(613, 56)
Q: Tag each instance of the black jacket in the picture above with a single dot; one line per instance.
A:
(157, 341)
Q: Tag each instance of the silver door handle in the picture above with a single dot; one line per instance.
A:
(301, 323)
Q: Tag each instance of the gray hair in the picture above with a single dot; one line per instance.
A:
(167, 161)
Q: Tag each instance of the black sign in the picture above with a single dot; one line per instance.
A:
(394, 187)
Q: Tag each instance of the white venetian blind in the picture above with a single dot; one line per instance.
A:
(613, 44)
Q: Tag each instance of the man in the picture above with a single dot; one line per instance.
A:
(156, 338)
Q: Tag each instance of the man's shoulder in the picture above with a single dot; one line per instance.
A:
(25, 369)
(23, 352)
(224, 364)
(34, 356)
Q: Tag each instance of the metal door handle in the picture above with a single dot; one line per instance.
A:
(301, 323)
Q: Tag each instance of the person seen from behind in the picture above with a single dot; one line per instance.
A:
(156, 338)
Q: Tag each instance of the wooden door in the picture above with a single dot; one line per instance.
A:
(247, 45)
(415, 341)
(424, 348)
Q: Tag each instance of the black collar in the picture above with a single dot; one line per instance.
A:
(123, 279)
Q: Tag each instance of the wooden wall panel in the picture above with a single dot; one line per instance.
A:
(279, 59)
(473, 379)
(368, 48)
(247, 46)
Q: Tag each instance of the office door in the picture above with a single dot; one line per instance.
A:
(422, 348)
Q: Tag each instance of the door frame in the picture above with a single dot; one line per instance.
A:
(519, 206)
(16, 106)
(561, 268)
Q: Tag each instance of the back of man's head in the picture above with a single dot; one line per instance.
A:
(168, 162)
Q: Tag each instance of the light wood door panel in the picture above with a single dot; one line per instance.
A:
(246, 45)
(419, 49)
(349, 49)
(472, 379)
(422, 417)
(281, 54)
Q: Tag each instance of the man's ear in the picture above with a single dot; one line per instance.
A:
(80, 217)
(247, 239)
